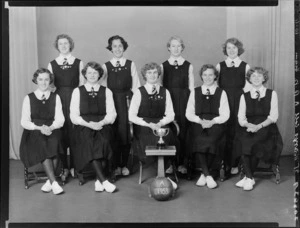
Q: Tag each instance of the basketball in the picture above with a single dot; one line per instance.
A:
(161, 189)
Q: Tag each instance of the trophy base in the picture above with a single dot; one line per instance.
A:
(160, 145)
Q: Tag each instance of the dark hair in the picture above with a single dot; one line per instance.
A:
(209, 66)
(259, 70)
(64, 36)
(150, 66)
(117, 37)
(94, 65)
(41, 71)
(175, 38)
(235, 42)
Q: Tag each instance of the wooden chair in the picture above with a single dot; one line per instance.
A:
(131, 153)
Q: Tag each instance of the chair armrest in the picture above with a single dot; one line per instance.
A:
(177, 127)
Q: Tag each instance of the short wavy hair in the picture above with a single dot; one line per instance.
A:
(42, 70)
(178, 39)
(94, 65)
(209, 66)
(150, 66)
(64, 36)
(259, 70)
(235, 42)
(117, 37)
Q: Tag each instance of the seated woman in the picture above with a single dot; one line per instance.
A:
(258, 137)
(92, 111)
(151, 108)
(42, 118)
(208, 110)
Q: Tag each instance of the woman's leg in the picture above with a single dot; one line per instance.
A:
(49, 169)
(210, 159)
(203, 164)
(247, 166)
(98, 169)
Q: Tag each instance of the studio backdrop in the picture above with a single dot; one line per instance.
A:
(266, 32)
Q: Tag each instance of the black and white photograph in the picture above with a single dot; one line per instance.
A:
(165, 115)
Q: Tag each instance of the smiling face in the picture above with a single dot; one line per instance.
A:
(92, 76)
(208, 77)
(175, 48)
(152, 76)
(43, 81)
(63, 46)
(257, 79)
(117, 48)
(232, 50)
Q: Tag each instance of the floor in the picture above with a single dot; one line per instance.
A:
(268, 202)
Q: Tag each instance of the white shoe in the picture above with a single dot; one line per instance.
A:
(118, 171)
(98, 186)
(210, 182)
(125, 171)
(182, 169)
(109, 187)
(240, 184)
(47, 187)
(234, 170)
(201, 181)
(56, 189)
(173, 183)
(248, 184)
(169, 170)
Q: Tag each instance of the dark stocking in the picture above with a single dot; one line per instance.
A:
(98, 169)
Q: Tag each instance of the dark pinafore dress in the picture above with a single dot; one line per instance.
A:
(152, 109)
(176, 80)
(88, 143)
(232, 80)
(119, 81)
(66, 79)
(35, 147)
(206, 107)
(266, 144)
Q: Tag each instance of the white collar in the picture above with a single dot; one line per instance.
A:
(38, 93)
(149, 87)
(262, 91)
(114, 61)
(211, 88)
(60, 59)
(236, 61)
(179, 59)
(88, 86)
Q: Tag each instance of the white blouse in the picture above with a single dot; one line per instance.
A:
(180, 60)
(75, 105)
(273, 116)
(224, 111)
(135, 77)
(237, 61)
(26, 121)
(136, 101)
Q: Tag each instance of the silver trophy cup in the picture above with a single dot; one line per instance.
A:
(161, 133)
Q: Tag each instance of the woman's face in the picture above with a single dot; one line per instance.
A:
(117, 48)
(92, 76)
(257, 79)
(208, 77)
(152, 76)
(63, 46)
(175, 48)
(232, 50)
(43, 81)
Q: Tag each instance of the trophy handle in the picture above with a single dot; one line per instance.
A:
(168, 130)
(154, 132)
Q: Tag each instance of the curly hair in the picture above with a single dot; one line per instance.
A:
(116, 37)
(42, 70)
(94, 65)
(176, 38)
(64, 36)
(150, 66)
(259, 70)
(235, 42)
(209, 66)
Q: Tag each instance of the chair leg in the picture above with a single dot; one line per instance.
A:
(189, 169)
(26, 177)
(174, 171)
(141, 172)
(277, 174)
(222, 171)
(80, 178)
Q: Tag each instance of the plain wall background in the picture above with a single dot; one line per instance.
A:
(146, 29)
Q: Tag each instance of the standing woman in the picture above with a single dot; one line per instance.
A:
(120, 75)
(178, 78)
(207, 110)
(42, 118)
(67, 76)
(258, 137)
(92, 111)
(232, 79)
